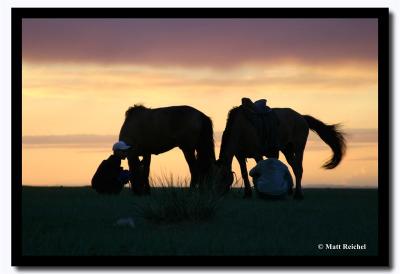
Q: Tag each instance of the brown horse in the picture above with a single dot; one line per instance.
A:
(240, 139)
(154, 131)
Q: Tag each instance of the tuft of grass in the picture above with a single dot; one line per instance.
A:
(175, 202)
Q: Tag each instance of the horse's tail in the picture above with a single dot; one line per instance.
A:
(332, 136)
(205, 147)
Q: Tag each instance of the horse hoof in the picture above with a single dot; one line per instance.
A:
(290, 192)
(146, 193)
(298, 196)
(247, 195)
(138, 192)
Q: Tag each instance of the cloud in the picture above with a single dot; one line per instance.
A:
(198, 42)
(366, 158)
(91, 141)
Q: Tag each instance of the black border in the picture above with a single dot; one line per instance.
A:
(382, 15)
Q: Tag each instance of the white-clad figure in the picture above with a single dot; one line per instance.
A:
(271, 178)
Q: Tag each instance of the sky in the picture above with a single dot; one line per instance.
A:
(80, 76)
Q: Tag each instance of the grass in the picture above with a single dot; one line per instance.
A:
(174, 202)
(78, 221)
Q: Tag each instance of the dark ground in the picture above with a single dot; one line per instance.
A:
(78, 221)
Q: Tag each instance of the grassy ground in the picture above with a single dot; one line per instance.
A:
(78, 221)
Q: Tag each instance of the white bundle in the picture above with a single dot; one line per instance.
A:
(271, 177)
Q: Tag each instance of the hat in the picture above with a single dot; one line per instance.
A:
(120, 145)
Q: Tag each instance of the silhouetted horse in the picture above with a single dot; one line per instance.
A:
(240, 139)
(155, 131)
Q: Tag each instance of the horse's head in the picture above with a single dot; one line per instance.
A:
(224, 176)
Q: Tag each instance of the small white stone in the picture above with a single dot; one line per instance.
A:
(126, 222)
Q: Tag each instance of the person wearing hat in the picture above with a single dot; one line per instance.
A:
(121, 149)
(110, 177)
(271, 179)
(138, 179)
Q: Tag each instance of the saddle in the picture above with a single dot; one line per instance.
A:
(266, 123)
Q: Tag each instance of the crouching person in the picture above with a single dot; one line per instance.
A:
(272, 179)
(110, 177)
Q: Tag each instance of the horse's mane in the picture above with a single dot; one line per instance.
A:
(228, 128)
(135, 109)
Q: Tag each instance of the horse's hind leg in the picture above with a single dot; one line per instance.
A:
(245, 176)
(289, 155)
(298, 172)
(295, 159)
(192, 163)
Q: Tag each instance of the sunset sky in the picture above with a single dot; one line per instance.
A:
(80, 76)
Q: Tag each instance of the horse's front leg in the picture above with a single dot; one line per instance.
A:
(146, 172)
(137, 183)
(193, 167)
(245, 176)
